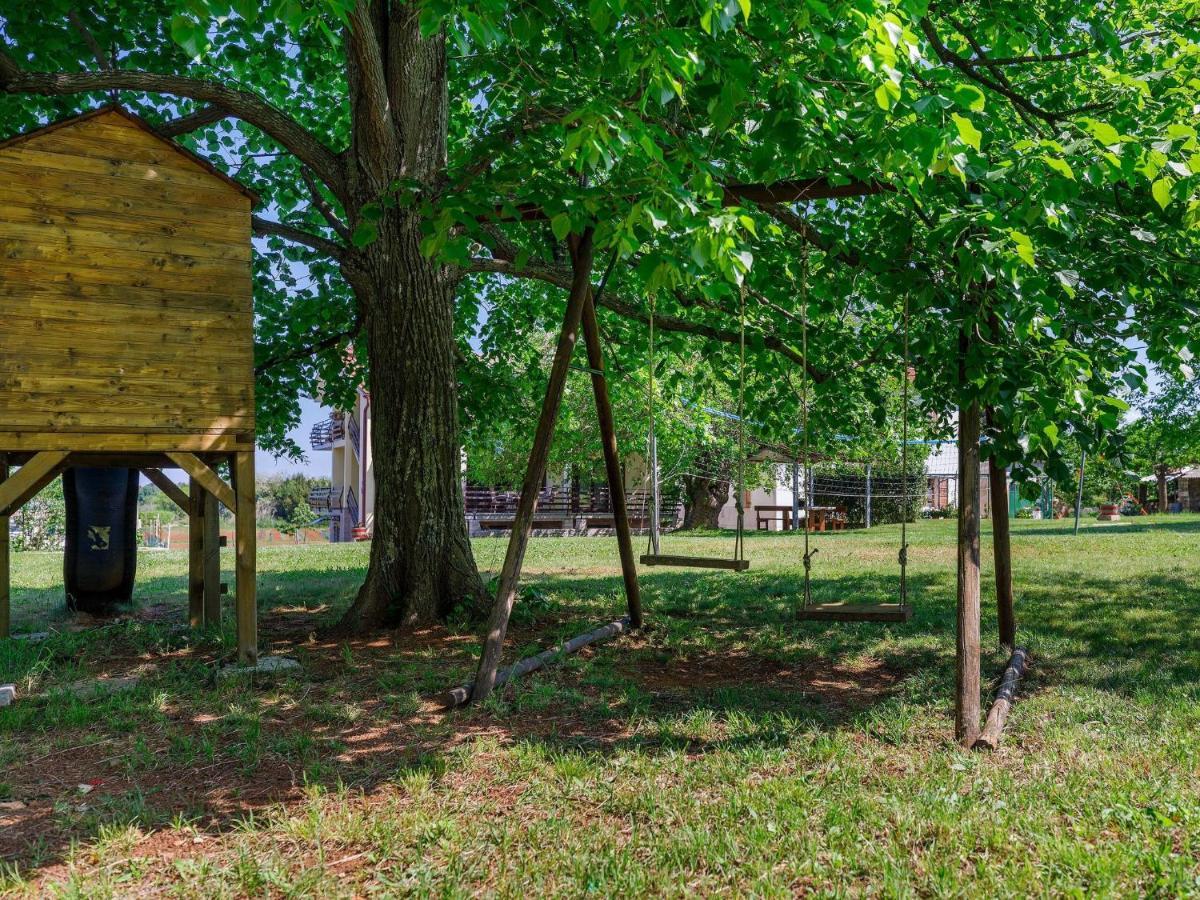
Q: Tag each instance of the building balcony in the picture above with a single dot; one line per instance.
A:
(325, 434)
(324, 500)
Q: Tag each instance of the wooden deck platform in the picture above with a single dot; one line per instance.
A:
(855, 612)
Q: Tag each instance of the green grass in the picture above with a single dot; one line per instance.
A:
(726, 749)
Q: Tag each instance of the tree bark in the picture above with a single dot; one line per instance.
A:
(966, 707)
(1161, 473)
(1001, 547)
(1002, 551)
(703, 501)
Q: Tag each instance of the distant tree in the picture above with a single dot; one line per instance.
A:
(1165, 439)
(285, 499)
(41, 524)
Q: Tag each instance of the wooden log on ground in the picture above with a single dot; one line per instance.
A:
(462, 694)
(993, 729)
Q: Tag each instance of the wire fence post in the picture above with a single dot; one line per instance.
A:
(1079, 493)
(868, 495)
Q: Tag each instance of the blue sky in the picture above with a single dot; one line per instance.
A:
(317, 462)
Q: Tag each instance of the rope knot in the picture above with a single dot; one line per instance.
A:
(903, 556)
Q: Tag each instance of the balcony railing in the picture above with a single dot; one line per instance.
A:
(324, 500)
(497, 505)
(352, 507)
(325, 433)
(353, 430)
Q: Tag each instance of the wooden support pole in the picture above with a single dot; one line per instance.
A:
(966, 707)
(24, 483)
(195, 510)
(535, 471)
(212, 560)
(1002, 551)
(5, 576)
(989, 739)
(246, 600)
(459, 695)
(163, 482)
(612, 460)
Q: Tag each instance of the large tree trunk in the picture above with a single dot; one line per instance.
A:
(703, 501)
(421, 563)
(1161, 473)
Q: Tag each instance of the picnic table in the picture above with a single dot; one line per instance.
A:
(823, 517)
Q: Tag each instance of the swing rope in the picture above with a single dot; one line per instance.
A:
(904, 468)
(652, 448)
(808, 553)
(739, 498)
(653, 539)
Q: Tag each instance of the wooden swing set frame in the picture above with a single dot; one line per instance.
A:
(580, 313)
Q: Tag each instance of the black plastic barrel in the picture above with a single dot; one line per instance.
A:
(101, 547)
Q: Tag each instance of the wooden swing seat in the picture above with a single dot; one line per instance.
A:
(855, 612)
(696, 562)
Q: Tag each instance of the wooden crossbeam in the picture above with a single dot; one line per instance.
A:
(160, 480)
(29, 479)
(696, 562)
(208, 479)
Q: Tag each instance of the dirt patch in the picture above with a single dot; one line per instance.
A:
(821, 681)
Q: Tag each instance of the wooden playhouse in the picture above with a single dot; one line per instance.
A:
(126, 336)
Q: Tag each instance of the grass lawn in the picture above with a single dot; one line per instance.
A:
(725, 749)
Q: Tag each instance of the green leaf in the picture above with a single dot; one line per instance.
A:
(364, 233)
(1024, 247)
(745, 5)
(1161, 190)
(967, 132)
(1061, 166)
(1103, 132)
(561, 226)
(1050, 430)
(970, 97)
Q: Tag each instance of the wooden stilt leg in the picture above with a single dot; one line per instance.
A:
(196, 496)
(212, 560)
(247, 609)
(5, 583)
(612, 461)
(535, 471)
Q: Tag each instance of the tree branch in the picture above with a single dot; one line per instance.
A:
(264, 227)
(206, 115)
(323, 206)
(318, 346)
(76, 20)
(561, 277)
(247, 106)
(952, 59)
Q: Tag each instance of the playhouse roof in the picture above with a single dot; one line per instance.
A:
(138, 121)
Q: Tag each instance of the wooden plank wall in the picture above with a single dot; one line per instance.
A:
(125, 291)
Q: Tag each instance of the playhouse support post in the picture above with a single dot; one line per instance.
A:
(195, 511)
(5, 585)
(612, 461)
(211, 548)
(244, 523)
(506, 595)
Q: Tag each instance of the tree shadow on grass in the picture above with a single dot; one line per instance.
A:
(181, 743)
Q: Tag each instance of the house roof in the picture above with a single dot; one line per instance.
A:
(117, 109)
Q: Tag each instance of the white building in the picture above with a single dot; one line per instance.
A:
(350, 502)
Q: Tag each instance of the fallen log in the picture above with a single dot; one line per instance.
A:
(989, 739)
(459, 695)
